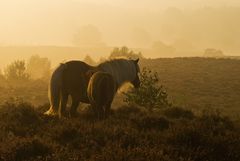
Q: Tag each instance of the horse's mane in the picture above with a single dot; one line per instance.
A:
(122, 70)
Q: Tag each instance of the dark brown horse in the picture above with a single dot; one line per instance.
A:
(101, 91)
(72, 79)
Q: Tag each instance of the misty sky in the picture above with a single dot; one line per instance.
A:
(136, 23)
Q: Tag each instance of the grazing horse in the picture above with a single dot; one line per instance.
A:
(72, 79)
(101, 91)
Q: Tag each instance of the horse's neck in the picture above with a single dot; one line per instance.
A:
(119, 76)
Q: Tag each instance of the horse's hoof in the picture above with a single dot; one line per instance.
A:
(50, 113)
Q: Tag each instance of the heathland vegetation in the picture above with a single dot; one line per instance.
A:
(194, 83)
(200, 82)
(130, 133)
(185, 110)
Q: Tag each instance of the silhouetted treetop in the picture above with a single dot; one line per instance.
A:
(124, 52)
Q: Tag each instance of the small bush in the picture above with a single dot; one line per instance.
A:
(150, 95)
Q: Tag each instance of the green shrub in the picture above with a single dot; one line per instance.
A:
(150, 94)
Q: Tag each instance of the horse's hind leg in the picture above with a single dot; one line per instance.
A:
(75, 103)
(64, 99)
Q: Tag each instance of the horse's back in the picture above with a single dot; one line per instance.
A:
(75, 80)
(101, 88)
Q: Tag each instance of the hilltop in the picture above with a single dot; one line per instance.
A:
(194, 83)
(200, 82)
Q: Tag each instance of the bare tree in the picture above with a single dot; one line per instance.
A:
(16, 71)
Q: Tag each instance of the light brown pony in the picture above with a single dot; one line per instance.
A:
(71, 79)
(101, 91)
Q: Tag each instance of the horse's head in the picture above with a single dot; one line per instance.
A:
(136, 82)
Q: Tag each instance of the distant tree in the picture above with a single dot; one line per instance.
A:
(150, 94)
(89, 60)
(213, 53)
(39, 68)
(16, 71)
(124, 52)
(88, 36)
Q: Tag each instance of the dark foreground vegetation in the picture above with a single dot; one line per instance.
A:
(130, 133)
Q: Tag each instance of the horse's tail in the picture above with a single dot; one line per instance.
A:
(54, 91)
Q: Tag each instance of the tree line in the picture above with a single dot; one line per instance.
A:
(37, 67)
(34, 68)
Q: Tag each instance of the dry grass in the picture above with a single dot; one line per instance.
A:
(128, 134)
